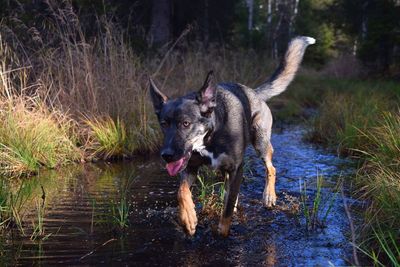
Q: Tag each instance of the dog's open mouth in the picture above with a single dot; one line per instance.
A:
(175, 167)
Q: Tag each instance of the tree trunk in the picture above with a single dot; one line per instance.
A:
(293, 16)
(250, 6)
(160, 29)
(269, 12)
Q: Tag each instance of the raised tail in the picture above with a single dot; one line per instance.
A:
(285, 73)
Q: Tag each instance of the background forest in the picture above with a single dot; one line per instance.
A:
(368, 29)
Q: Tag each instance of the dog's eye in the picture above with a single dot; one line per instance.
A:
(164, 124)
(185, 124)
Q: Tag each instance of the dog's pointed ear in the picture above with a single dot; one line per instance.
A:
(157, 97)
(207, 96)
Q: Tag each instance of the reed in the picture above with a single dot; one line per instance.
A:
(317, 210)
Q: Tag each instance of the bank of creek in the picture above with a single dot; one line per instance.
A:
(79, 203)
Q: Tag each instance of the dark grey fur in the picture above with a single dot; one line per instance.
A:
(214, 126)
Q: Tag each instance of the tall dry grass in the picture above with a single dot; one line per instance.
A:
(90, 91)
(32, 135)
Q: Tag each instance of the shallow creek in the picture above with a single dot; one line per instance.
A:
(81, 205)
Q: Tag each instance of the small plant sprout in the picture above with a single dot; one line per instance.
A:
(121, 207)
(120, 213)
(211, 194)
(38, 226)
(316, 212)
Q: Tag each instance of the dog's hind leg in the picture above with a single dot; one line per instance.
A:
(187, 212)
(262, 123)
(269, 195)
(232, 186)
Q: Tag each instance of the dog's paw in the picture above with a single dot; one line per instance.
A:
(224, 226)
(188, 218)
(269, 198)
(187, 213)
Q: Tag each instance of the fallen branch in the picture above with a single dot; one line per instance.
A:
(353, 235)
(183, 34)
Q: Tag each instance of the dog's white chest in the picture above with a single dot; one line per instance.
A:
(215, 161)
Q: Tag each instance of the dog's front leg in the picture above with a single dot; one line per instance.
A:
(232, 186)
(187, 212)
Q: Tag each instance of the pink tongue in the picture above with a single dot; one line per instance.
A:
(174, 167)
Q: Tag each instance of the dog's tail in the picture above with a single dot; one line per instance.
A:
(285, 73)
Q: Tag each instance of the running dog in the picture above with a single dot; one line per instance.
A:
(214, 125)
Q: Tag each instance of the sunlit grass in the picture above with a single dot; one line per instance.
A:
(33, 137)
(108, 138)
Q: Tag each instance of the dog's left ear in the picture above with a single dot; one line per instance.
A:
(157, 97)
(207, 96)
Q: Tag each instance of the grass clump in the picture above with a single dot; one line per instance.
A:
(33, 137)
(316, 212)
(120, 213)
(32, 134)
(210, 193)
(109, 137)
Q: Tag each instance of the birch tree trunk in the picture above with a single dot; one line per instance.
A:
(250, 6)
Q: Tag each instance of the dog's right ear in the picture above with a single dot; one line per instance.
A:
(207, 95)
(157, 97)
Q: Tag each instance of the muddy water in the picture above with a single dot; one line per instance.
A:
(79, 204)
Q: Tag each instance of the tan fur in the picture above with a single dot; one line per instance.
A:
(187, 213)
(270, 178)
(224, 226)
(293, 59)
(289, 66)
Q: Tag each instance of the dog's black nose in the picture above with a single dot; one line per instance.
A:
(167, 154)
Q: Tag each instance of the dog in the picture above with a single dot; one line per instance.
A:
(214, 125)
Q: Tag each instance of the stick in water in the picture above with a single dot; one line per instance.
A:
(102, 245)
(353, 235)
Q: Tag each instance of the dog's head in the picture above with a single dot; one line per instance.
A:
(185, 122)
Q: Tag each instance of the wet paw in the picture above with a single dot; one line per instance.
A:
(269, 198)
(188, 218)
(187, 213)
(223, 227)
